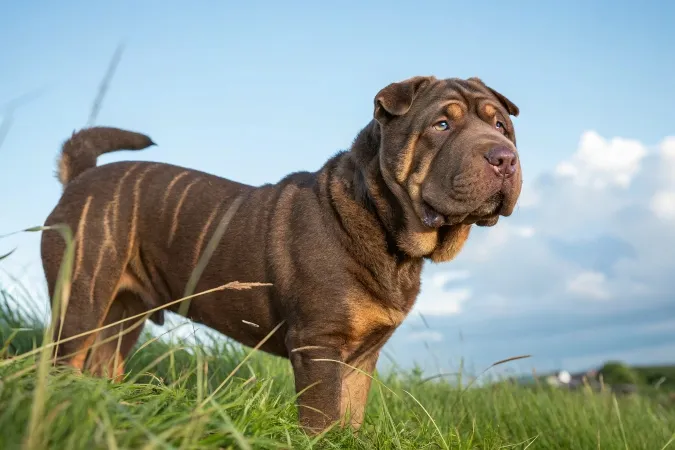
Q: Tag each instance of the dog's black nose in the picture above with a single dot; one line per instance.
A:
(502, 160)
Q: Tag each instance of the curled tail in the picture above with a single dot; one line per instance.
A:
(80, 152)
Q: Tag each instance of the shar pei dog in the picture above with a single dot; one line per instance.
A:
(340, 250)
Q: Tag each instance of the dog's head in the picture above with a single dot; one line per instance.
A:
(448, 151)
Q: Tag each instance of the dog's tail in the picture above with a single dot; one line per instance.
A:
(80, 152)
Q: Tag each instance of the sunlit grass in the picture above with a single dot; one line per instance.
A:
(180, 394)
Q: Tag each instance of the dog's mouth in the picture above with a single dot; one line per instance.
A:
(487, 214)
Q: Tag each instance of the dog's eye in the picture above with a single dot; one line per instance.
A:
(500, 126)
(441, 126)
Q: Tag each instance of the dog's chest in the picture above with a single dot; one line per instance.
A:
(371, 323)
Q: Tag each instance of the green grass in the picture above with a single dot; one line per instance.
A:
(174, 397)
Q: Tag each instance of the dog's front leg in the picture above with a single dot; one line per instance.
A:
(356, 381)
(318, 381)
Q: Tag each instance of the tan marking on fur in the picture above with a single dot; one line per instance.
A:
(80, 357)
(174, 223)
(202, 236)
(354, 392)
(134, 213)
(451, 245)
(64, 163)
(406, 158)
(455, 111)
(169, 187)
(417, 178)
(102, 362)
(99, 263)
(424, 239)
(107, 232)
(79, 238)
(367, 314)
(118, 193)
(99, 260)
(108, 243)
(489, 110)
(127, 281)
(418, 240)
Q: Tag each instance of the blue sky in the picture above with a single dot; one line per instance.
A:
(255, 92)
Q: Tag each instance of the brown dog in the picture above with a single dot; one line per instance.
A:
(342, 248)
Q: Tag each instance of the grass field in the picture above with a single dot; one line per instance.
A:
(218, 395)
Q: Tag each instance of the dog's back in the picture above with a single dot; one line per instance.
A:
(139, 229)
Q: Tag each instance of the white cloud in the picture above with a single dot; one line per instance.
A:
(663, 204)
(445, 303)
(439, 297)
(667, 148)
(498, 236)
(440, 279)
(524, 232)
(589, 285)
(426, 335)
(599, 162)
(528, 197)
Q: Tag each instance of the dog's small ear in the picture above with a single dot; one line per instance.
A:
(511, 107)
(397, 98)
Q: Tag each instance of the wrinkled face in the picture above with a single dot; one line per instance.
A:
(450, 147)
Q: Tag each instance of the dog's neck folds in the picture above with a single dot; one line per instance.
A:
(371, 190)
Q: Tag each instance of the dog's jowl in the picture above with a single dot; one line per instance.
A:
(341, 248)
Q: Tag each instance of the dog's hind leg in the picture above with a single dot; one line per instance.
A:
(98, 267)
(113, 344)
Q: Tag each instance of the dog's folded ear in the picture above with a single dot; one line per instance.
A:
(511, 108)
(397, 98)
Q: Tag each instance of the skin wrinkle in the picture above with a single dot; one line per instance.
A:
(417, 178)
(169, 187)
(407, 160)
(116, 198)
(202, 236)
(464, 93)
(134, 214)
(80, 237)
(336, 190)
(174, 223)
(419, 240)
(107, 243)
(461, 188)
(108, 240)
